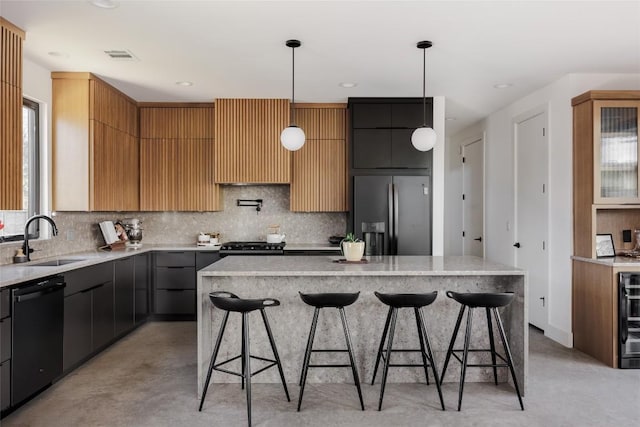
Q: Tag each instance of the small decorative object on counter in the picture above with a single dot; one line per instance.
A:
(133, 228)
(19, 257)
(209, 239)
(273, 235)
(214, 237)
(352, 247)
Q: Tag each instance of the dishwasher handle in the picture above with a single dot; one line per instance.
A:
(40, 291)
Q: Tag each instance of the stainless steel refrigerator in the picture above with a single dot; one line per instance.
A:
(392, 214)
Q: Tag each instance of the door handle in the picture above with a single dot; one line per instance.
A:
(479, 239)
(624, 330)
(516, 245)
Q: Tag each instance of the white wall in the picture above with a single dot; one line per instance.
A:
(499, 177)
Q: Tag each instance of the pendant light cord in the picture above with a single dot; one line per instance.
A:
(424, 87)
(293, 86)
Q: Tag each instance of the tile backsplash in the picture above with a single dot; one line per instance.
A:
(79, 231)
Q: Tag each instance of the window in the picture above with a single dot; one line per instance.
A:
(12, 222)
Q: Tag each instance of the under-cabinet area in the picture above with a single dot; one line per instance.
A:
(102, 298)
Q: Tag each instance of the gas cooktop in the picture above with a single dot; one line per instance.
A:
(251, 248)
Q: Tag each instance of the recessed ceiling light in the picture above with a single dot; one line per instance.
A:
(348, 85)
(185, 84)
(450, 119)
(105, 4)
(502, 85)
(58, 54)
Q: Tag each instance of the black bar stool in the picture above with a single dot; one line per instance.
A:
(229, 302)
(396, 302)
(490, 302)
(329, 300)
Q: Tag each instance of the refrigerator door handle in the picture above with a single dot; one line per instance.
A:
(624, 330)
(396, 212)
(391, 217)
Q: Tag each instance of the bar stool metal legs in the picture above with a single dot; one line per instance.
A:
(489, 302)
(320, 301)
(425, 350)
(229, 302)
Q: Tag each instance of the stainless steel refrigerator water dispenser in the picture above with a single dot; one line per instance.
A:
(373, 236)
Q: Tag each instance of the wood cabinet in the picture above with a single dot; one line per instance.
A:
(605, 201)
(319, 168)
(247, 141)
(95, 145)
(177, 158)
(381, 130)
(11, 39)
(605, 167)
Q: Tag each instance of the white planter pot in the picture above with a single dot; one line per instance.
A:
(353, 251)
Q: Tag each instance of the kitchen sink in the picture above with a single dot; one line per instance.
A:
(56, 262)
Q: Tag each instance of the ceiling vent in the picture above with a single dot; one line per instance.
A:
(121, 55)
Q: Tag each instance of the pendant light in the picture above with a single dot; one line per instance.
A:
(292, 137)
(424, 138)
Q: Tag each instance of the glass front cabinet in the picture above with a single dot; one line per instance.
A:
(615, 138)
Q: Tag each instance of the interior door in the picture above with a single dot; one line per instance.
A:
(532, 213)
(473, 198)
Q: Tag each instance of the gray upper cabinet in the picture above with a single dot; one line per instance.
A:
(381, 130)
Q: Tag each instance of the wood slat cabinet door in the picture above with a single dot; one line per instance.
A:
(158, 178)
(177, 158)
(319, 168)
(11, 40)
(116, 169)
(247, 141)
(95, 145)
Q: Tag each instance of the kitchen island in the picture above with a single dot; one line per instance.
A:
(283, 277)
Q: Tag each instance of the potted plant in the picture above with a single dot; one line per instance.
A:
(352, 247)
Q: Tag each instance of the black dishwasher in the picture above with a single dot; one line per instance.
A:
(38, 315)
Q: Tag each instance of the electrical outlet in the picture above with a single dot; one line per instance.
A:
(626, 236)
(71, 235)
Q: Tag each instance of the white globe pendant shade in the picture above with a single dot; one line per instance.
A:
(292, 138)
(423, 138)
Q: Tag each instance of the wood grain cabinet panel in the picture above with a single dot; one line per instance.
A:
(177, 149)
(11, 40)
(247, 141)
(319, 168)
(95, 145)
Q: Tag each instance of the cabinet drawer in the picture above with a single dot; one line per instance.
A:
(175, 259)
(5, 387)
(85, 278)
(5, 334)
(175, 278)
(175, 301)
(5, 303)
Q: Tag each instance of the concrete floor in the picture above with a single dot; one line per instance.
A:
(149, 379)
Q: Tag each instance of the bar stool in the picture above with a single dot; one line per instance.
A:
(490, 302)
(229, 302)
(396, 302)
(329, 300)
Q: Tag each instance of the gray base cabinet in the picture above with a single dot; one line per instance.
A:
(89, 322)
(175, 283)
(124, 284)
(141, 296)
(5, 349)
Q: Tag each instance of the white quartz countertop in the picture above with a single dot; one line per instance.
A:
(618, 261)
(12, 274)
(377, 266)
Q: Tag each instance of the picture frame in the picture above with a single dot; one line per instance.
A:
(604, 246)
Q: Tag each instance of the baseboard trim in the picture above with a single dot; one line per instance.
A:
(559, 335)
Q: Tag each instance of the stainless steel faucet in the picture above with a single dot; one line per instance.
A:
(25, 247)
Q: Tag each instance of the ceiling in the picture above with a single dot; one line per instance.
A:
(236, 49)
